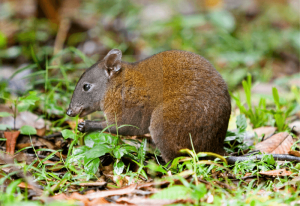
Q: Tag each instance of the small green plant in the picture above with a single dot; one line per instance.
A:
(185, 191)
(255, 166)
(257, 114)
(19, 104)
(98, 144)
(235, 139)
(281, 113)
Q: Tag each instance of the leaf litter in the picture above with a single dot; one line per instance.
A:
(50, 154)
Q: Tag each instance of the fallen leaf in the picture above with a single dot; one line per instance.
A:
(98, 201)
(11, 139)
(279, 143)
(98, 183)
(145, 201)
(294, 153)
(267, 131)
(21, 157)
(294, 182)
(61, 196)
(72, 124)
(82, 198)
(23, 118)
(41, 132)
(25, 185)
(280, 172)
(153, 184)
(122, 191)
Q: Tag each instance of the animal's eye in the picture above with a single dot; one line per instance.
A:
(86, 87)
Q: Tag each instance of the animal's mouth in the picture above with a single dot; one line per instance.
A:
(84, 112)
(80, 111)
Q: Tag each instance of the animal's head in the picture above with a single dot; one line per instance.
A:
(92, 85)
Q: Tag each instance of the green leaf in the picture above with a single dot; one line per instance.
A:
(4, 126)
(31, 98)
(27, 130)
(276, 97)
(97, 152)
(22, 106)
(199, 191)
(80, 150)
(128, 148)
(269, 159)
(142, 151)
(173, 193)
(223, 19)
(11, 188)
(90, 139)
(241, 123)
(92, 166)
(118, 167)
(66, 133)
(117, 152)
(96, 138)
(25, 102)
(3, 40)
(157, 168)
(5, 114)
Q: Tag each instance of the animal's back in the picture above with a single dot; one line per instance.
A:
(193, 100)
(178, 94)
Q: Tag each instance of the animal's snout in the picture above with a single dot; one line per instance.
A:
(69, 112)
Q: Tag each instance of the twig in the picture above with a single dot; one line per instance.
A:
(53, 135)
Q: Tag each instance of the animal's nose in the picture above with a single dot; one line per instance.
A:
(69, 112)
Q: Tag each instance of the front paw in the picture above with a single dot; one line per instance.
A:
(81, 126)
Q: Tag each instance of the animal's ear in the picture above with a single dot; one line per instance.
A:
(112, 62)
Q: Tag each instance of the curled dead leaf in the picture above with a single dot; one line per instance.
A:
(122, 191)
(280, 172)
(267, 131)
(279, 143)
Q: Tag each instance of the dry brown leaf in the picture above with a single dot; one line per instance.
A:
(47, 143)
(53, 165)
(6, 181)
(25, 185)
(279, 143)
(247, 174)
(145, 201)
(122, 191)
(59, 155)
(280, 172)
(82, 198)
(98, 201)
(23, 145)
(98, 183)
(41, 132)
(292, 182)
(153, 184)
(38, 142)
(72, 124)
(21, 157)
(294, 153)
(23, 118)
(267, 131)
(61, 196)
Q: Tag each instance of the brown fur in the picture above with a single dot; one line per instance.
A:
(173, 95)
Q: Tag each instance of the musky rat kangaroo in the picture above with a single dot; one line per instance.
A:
(172, 94)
